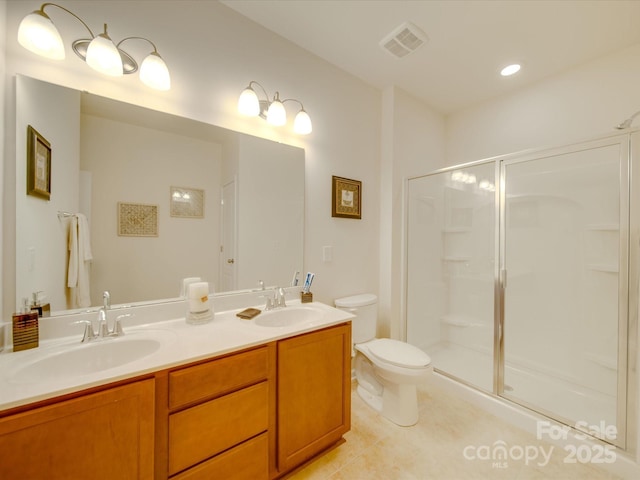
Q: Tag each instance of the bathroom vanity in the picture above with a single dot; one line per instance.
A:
(274, 398)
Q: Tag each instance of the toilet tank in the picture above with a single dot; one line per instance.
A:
(365, 307)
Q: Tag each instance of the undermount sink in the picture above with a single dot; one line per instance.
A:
(288, 316)
(88, 358)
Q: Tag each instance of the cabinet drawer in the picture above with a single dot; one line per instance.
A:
(217, 377)
(247, 461)
(200, 432)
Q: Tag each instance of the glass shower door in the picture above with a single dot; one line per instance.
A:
(451, 270)
(564, 223)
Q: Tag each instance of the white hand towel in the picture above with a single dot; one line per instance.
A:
(80, 257)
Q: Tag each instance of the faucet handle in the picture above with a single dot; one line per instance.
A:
(89, 334)
(117, 328)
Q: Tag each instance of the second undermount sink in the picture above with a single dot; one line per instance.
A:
(88, 358)
(288, 316)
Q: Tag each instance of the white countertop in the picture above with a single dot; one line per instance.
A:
(182, 343)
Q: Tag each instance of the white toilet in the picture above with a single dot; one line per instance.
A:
(387, 371)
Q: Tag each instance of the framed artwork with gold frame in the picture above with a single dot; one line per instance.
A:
(346, 198)
(38, 164)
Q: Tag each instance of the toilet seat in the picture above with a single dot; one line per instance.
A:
(398, 353)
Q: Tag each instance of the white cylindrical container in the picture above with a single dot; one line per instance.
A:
(365, 307)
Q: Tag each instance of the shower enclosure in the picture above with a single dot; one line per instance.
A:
(519, 281)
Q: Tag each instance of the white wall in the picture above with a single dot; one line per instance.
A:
(134, 164)
(42, 245)
(213, 53)
(271, 212)
(582, 103)
(412, 144)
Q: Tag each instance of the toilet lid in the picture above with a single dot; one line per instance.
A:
(398, 353)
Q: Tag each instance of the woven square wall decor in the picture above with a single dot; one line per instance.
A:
(137, 220)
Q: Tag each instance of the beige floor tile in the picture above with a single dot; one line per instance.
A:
(451, 441)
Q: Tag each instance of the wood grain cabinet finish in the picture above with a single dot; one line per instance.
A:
(216, 412)
(253, 415)
(105, 435)
(247, 461)
(214, 378)
(200, 432)
(314, 394)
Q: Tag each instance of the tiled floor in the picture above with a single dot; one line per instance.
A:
(435, 448)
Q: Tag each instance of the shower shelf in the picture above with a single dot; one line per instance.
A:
(456, 259)
(603, 268)
(604, 227)
(461, 320)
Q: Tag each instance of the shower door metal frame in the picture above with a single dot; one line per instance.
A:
(627, 323)
(628, 385)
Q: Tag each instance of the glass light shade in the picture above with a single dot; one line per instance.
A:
(248, 103)
(302, 123)
(103, 56)
(510, 70)
(38, 34)
(154, 72)
(277, 115)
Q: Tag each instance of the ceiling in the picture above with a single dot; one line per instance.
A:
(469, 41)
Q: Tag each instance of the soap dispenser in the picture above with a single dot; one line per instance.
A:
(25, 328)
(38, 304)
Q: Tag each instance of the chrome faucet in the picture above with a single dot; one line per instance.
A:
(275, 299)
(103, 322)
(103, 318)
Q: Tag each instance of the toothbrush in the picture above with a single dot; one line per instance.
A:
(307, 283)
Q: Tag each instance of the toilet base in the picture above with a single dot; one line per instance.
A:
(398, 403)
(374, 401)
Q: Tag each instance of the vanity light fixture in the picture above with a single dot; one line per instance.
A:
(38, 34)
(272, 111)
(627, 123)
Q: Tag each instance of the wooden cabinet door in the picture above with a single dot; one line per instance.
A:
(106, 435)
(314, 393)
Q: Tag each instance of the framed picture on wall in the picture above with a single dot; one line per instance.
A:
(346, 198)
(38, 164)
(137, 220)
(186, 202)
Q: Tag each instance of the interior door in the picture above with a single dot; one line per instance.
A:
(228, 268)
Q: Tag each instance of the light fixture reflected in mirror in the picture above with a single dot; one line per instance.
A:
(272, 111)
(38, 34)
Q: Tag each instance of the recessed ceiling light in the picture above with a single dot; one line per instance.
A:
(510, 70)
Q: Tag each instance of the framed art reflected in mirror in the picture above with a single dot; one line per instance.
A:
(38, 164)
(137, 220)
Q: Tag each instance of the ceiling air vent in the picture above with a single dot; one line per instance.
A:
(404, 40)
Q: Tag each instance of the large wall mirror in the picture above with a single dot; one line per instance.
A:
(165, 198)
